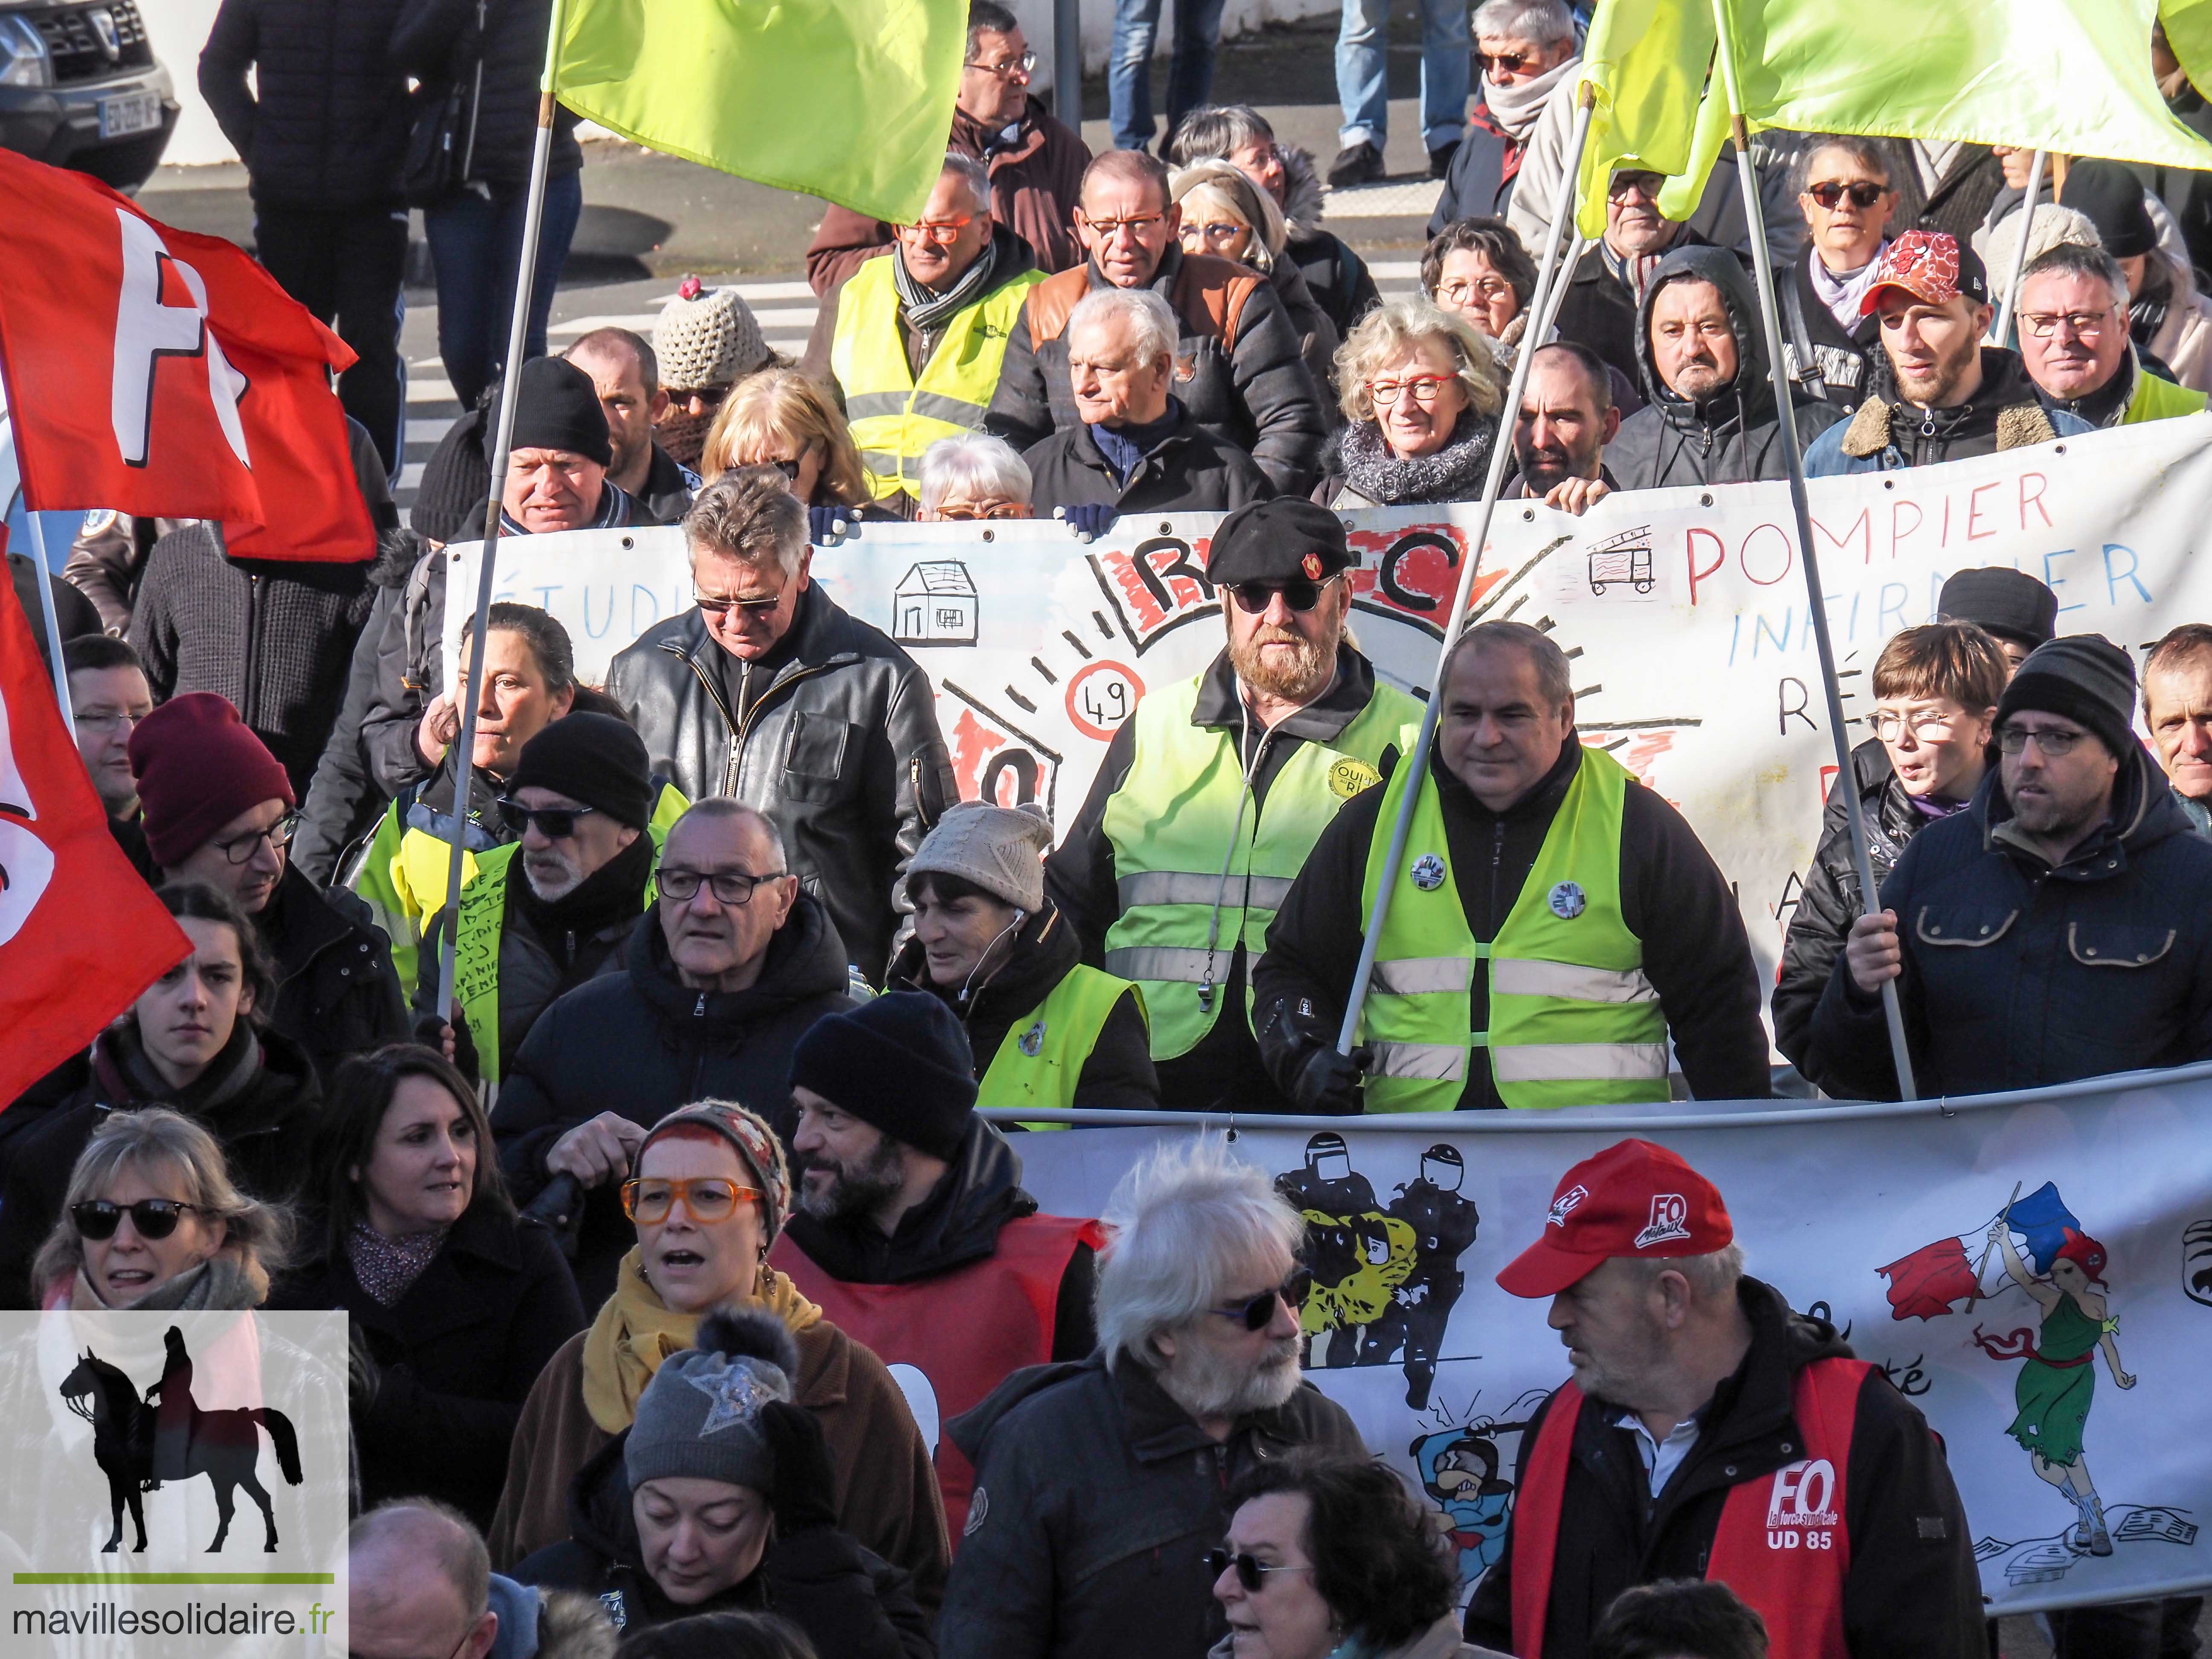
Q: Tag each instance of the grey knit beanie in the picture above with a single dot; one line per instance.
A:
(707, 338)
(699, 1417)
(999, 849)
(2086, 678)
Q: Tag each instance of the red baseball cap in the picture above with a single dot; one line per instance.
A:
(1633, 1199)
(1933, 266)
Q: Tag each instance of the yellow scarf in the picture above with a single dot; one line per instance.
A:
(635, 1330)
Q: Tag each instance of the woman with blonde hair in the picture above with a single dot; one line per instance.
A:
(151, 1221)
(781, 419)
(1227, 214)
(1422, 390)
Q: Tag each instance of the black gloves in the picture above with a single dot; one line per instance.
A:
(804, 1493)
(1327, 1083)
(432, 1033)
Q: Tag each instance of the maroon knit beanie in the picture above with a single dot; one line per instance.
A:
(198, 767)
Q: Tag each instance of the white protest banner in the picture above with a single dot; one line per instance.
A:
(1684, 611)
(1880, 1219)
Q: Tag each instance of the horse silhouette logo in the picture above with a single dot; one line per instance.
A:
(140, 1444)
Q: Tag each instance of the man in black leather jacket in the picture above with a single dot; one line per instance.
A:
(768, 691)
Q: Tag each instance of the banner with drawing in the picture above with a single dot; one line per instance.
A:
(1685, 613)
(2034, 1271)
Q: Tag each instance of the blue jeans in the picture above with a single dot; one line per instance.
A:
(1129, 66)
(477, 244)
(1363, 89)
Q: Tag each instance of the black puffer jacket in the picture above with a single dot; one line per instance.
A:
(833, 735)
(849, 1600)
(958, 1223)
(274, 638)
(1828, 903)
(344, 801)
(640, 1043)
(325, 125)
(1733, 436)
(1118, 1072)
(436, 42)
(456, 1355)
(258, 1098)
(1912, 1590)
(1338, 278)
(1252, 392)
(337, 994)
(1097, 1498)
(2017, 973)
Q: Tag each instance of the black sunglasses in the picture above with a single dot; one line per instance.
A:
(1253, 598)
(155, 1218)
(1862, 195)
(554, 822)
(1250, 1571)
(1260, 1313)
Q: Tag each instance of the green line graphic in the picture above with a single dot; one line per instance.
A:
(176, 1578)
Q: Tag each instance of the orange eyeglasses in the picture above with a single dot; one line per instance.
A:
(705, 1200)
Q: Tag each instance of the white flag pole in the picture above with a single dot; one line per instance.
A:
(2001, 334)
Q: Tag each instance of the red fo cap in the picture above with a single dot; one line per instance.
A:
(1932, 266)
(1633, 1199)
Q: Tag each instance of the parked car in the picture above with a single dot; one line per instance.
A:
(79, 88)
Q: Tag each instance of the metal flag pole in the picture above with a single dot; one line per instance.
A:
(1793, 453)
(525, 279)
(45, 586)
(1582, 247)
(2002, 333)
(1501, 446)
(1067, 62)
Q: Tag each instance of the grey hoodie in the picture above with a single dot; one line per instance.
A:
(1731, 437)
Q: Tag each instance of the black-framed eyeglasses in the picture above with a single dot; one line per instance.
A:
(1253, 598)
(728, 886)
(554, 822)
(1828, 193)
(2013, 741)
(1251, 1571)
(709, 398)
(97, 1218)
(1647, 185)
(1260, 1312)
(716, 605)
(278, 834)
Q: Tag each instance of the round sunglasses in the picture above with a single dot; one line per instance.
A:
(97, 1218)
(1259, 1313)
(1253, 598)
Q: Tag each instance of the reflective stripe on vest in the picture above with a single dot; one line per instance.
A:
(1042, 1057)
(1781, 1544)
(950, 1338)
(403, 882)
(1181, 815)
(483, 915)
(1573, 1019)
(893, 418)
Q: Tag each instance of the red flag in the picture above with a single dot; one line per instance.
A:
(154, 371)
(80, 936)
(1924, 1284)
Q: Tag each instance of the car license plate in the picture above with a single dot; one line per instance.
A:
(128, 113)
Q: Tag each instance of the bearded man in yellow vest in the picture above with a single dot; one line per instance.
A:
(912, 1232)
(913, 340)
(1045, 1029)
(1554, 924)
(1214, 791)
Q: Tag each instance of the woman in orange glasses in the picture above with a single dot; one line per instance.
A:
(708, 1192)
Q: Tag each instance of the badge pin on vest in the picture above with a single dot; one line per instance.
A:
(1568, 901)
(1031, 1042)
(1428, 872)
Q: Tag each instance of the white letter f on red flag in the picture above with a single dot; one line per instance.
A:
(148, 330)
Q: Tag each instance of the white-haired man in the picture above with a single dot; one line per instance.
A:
(914, 342)
(1705, 1420)
(1136, 449)
(766, 690)
(1100, 1485)
(974, 477)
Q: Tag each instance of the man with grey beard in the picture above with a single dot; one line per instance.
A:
(1100, 1486)
(1216, 788)
(581, 798)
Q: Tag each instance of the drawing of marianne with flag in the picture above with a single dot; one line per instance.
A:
(2057, 1378)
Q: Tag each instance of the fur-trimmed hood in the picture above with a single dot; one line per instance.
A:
(1303, 194)
(2008, 396)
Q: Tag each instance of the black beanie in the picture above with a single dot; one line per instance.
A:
(2111, 199)
(449, 503)
(595, 759)
(901, 1062)
(2009, 603)
(2085, 678)
(559, 408)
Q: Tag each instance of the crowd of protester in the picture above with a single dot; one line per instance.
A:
(632, 1227)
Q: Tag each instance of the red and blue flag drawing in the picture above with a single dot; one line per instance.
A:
(1937, 1278)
